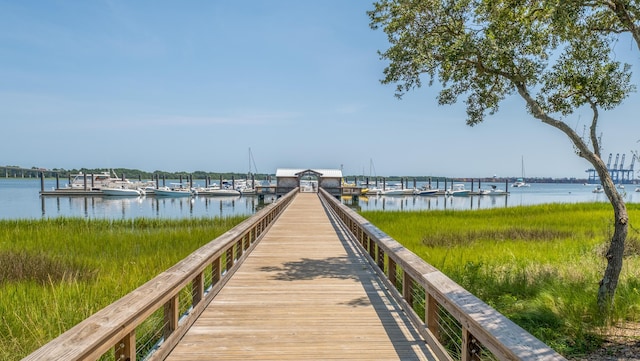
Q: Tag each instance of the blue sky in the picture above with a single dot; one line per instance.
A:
(192, 85)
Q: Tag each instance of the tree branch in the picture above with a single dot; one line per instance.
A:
(593, 130)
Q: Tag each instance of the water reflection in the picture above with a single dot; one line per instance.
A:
(537, 194)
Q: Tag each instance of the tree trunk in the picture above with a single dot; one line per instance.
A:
(609, 282)
(615, 253)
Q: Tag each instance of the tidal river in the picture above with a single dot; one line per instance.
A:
(20, 199)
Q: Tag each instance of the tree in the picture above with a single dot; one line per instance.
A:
(547, 52)
(611, 16)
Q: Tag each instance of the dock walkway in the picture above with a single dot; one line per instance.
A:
(305, 293)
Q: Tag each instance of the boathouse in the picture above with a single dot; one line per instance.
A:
(309, 180)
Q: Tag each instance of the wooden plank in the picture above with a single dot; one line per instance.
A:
(304, 293)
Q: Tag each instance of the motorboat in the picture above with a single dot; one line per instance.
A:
(457, 190)
(216, 191)
(94, 181)
(373, 191)
(176, 191)
(247, 191)
(494, 191)
(121, 192)
(426, 191)
(102, 180)
(598, 189)
(245, 188)
(396, 192)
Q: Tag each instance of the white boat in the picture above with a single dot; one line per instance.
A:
(598, 189)
(373, 191)
(244, 187)
(396, 192)
(247, 191)
(638, 189)
(494, 191)
(216, 191)
(94, 181)
(99, 181)
(121, 192)
(176, 191)
(520, 181)
(457, 190)
(426, 191)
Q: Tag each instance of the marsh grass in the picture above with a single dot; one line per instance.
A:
(18, 266)
(54, 273)
(538, 265)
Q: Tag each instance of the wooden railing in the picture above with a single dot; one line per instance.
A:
(148, 322)
(456, 324)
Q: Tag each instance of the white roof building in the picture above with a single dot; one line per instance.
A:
(329, 179)
(294, 172)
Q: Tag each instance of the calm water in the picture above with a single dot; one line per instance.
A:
(537, 193)
(19, 198)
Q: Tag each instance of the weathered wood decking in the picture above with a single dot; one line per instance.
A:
(305, 293)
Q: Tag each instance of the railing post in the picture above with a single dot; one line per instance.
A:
(246, 240)
(431, 315)
(230, 257)
(197, 289)
(470, 347)
(239, 248)
(407, 288)
(372, 248)
(171, 310)
(380, 258)
(216, 271)
(392, 273)
(125, 350)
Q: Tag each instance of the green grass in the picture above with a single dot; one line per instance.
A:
(538, 265)
(55, 273)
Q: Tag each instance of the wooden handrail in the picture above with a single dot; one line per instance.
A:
(424, 290)
(200, 276)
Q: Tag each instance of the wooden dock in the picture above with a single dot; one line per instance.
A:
(305, 293)
(305, 278)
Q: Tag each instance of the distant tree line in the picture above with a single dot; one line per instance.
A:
(33, 172)
(17, 171)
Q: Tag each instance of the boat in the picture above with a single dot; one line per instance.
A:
(520, 181)
(457, 190)
(598, 189)
(494, 191)
(104, 180)
(95, 181)
(216, 191)
(373, 191)
(247, 191)
(121, 192)
(176, 191)
(396, 192)
(426, 191)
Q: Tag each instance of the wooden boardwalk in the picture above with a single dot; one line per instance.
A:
(305, 293)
